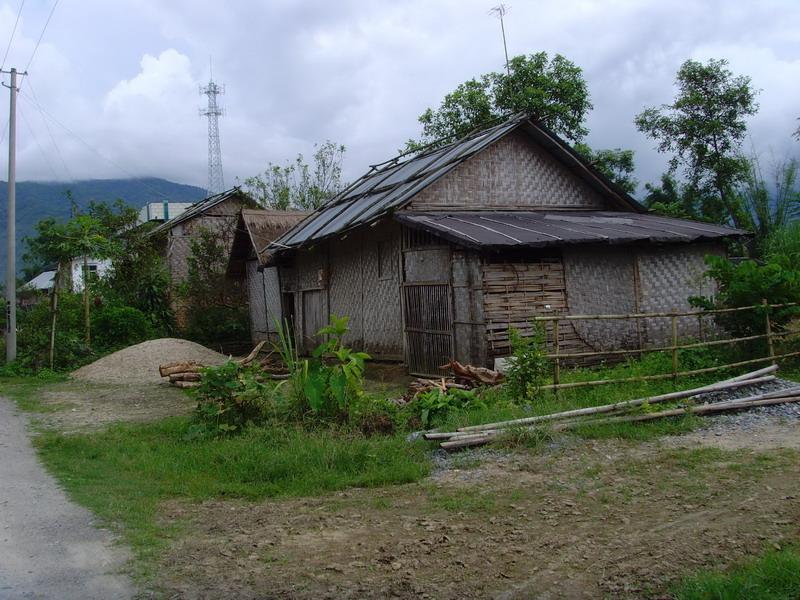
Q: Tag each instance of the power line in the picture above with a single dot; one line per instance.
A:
(13, 31)
(50, 132)
(90, 147)
(41, 35)
(36, 141)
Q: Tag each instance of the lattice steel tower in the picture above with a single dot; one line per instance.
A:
(216, 182)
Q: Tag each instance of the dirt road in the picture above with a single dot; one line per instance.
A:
(49, 547)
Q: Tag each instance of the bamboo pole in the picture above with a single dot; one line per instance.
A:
(692, 313)
(770, 345)
(760, 376)
(740, 363)
(674, 349)
(556, 362)
(486, 437)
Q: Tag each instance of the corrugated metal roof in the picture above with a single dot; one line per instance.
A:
(537, 229)
(199, 208)
(391, 184)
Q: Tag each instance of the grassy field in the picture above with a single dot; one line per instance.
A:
(775, 576)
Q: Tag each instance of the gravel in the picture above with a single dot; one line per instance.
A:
(746, 420)
(139, 363)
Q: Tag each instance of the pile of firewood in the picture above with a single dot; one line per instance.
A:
(186, 373)
(182, 374)
(465, 377)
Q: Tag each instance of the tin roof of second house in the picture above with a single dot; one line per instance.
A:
(537, 229)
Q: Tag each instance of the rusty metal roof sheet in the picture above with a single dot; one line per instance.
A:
(390, 185)
(537, 229)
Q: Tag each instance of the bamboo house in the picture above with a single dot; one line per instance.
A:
(435, 256)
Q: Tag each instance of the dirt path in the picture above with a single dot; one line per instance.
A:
(49, 547)
(610, 519)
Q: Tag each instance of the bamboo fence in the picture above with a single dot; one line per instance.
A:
(673, 348)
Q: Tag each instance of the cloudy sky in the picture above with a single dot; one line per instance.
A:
(118, 81)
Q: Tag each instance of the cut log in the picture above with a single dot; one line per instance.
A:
(184, 377)
(171, 368)
(186, 384)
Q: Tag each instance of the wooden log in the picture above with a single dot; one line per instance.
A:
(722, 385)
(183, 366)
(184, 377)
(186, 384)
(253, 353)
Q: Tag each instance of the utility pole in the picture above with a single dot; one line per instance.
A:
(11, 268)
(500, 11)
(216, 182)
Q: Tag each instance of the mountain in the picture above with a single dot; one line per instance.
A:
(39, 200)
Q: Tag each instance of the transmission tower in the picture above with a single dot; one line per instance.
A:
(216, 182)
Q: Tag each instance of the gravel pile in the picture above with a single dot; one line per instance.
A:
(139, 363)
(754, 417)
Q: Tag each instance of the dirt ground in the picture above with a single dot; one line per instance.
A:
(73, 406)
(608, 519)
(580, 520)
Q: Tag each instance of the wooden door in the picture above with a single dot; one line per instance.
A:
(428, 326)
(313, 318)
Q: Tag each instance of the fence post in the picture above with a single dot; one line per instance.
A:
(768, 324)
(556, 362)
(674, 348)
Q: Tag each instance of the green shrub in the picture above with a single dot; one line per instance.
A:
(325, 385)
(746, 284)
(230, 397)
(434, 406)
(117, 326)
(528, 366)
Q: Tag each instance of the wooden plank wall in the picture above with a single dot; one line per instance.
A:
(514, 293)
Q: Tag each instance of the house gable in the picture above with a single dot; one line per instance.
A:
(514, 173)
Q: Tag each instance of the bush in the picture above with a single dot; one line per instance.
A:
(231, 397)
(218, 324)
(117, 326)
(325, 385)
(746, 284)
(528, 366)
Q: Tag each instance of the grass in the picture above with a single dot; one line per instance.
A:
(774, 576)
(27, 391)
(124, 473)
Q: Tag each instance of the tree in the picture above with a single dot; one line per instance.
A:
(616, 164)
(298, 184)
(769, 206)
(704, 128)
(550, 90)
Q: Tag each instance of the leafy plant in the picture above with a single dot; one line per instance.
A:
(229, 398)
(528, 365)
(434, 405)
(117, 326)
(325, 384)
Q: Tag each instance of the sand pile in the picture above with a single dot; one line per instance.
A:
(139, 363)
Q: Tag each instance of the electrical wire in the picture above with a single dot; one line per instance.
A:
(50, 132)
(36, 141)
(89, 146)
(13, 31)
(41, 35)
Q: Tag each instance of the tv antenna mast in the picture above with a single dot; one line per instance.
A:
(216, 181)
(500, 11)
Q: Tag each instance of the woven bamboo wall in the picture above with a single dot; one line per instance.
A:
(515, 293)
(514, 173)
(601, 281)
(360, 279)
(668, 276)
(263, 296)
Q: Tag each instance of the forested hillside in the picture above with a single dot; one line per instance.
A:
(38, 200)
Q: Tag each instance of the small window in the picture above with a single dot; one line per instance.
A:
(89, 272)
(386, 262)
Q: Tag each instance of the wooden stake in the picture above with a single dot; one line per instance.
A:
(770, 345)
(674, 348)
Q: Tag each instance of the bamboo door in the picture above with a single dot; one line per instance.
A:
(428, 326)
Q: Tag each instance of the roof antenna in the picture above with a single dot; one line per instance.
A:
(500, 11)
